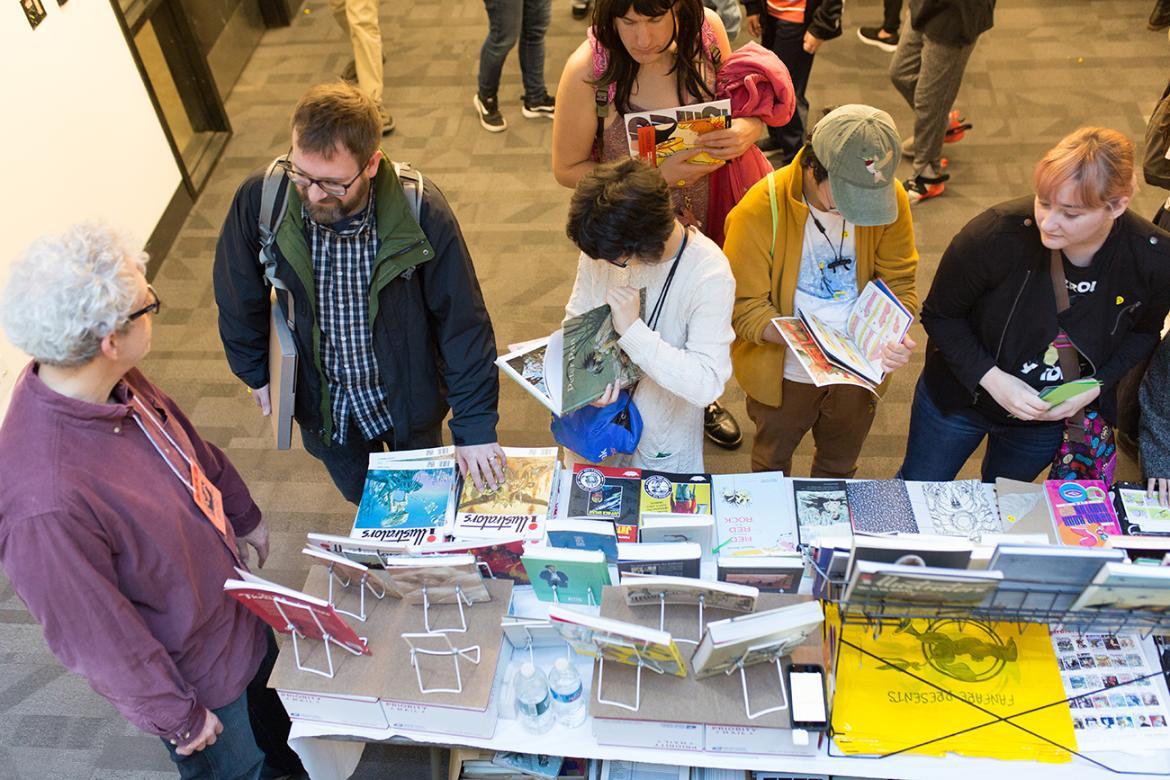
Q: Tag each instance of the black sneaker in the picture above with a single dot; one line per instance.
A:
(540, 109)
(489, 114)
(1160, 16)
(580, 9)
(920, 188)
(873, 37)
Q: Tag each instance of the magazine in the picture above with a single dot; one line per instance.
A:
(402, 494)
(519, 507)
(877, 318)
(606, 493)
(566, 576)
(656, 135)
(369, 553)
(572, 367)
(1082, 512)
(617, 640)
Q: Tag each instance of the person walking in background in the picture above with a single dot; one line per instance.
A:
(509, 21)
(884, 36)
(997, 334)
(119, 523)
(794, 30)
(927, 71)
(729, 12)
(833, 220)
(359, 19)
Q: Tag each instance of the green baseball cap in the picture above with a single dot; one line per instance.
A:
(859, 146)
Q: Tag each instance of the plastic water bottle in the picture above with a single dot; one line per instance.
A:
(533, 704)
(567, 695)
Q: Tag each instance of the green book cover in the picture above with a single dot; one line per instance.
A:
(1061, 393)
(573, 574)
(592, 358)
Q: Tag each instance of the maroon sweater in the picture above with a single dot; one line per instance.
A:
(113, 558)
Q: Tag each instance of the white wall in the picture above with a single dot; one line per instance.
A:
(79, 138)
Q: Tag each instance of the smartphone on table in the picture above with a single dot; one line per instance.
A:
(806, 696)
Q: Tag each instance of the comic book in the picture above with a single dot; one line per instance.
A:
(656, 135)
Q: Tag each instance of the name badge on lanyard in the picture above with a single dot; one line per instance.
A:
(206, 496)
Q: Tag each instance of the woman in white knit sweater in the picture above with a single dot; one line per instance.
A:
(621, 219)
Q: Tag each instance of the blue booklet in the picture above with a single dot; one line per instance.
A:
(407, 494)
(583, 534)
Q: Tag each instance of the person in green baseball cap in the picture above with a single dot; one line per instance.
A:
(807, 240)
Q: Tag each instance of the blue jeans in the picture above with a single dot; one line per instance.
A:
(254, 741)
(939, 444)
(509, 21)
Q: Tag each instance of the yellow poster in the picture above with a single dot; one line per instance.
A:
(915, 683)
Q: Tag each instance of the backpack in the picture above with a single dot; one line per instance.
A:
(282, 359)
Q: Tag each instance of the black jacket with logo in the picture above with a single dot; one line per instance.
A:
(431, 333)
(992, 304)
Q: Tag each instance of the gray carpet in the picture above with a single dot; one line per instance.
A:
(1045, 69)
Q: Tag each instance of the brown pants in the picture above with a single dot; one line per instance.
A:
(839, 416)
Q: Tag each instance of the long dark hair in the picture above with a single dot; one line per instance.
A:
(621, 70)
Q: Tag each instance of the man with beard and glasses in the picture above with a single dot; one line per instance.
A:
(390, 325)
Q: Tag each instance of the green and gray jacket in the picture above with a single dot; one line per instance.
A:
(431, 332)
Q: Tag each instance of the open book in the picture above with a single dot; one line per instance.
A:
(617, 640)
(656, 135)
(572, 367)
(852, 356)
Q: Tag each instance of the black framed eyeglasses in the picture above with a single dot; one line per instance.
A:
(620, 264)
(334, 188)
(150, 308)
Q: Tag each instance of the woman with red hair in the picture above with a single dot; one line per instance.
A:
(1030, 293)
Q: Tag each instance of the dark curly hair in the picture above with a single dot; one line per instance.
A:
(621, 209)
(622, 69)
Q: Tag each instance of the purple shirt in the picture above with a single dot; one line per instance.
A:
(111, 555)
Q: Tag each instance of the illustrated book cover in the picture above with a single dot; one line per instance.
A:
(672, 559)
(617, 640)
(648, 590)
(566, 576)
(607, 493)
(751, 514)
(964, 507)
(518, 507)
(498, 559)
(873, 582)
(665, 493)
(1081, 512)
(1127, 586)
(879, 506)
(584, 534)
(769, 573)
(822, 509)
(944, 552)
(279, 607)
(656, 135)
(755, 638)
(445, 578)
(402, 494)
(1144, 514)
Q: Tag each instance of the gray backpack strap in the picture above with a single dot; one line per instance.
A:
(412, 185)
(273, 204)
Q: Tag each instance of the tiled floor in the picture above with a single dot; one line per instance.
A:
(1045, 69)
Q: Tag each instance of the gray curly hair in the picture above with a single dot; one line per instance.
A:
(69, 291)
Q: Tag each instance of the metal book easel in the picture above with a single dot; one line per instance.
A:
(365, 583)
(770, 653)
(591, 600)
(600, 644)
(449, 650)
(460, 599)
(662, 618)
(326, 638)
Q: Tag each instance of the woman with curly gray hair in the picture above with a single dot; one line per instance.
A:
(105, 478)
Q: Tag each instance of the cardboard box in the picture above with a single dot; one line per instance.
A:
(381, 690)
(689, 714)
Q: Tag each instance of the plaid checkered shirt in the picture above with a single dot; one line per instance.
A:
(343, 260)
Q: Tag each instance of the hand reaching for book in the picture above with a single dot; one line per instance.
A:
(483, 463)
(1160, 485)
(625, 306)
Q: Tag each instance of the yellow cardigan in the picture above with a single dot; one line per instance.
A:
(765, 288)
